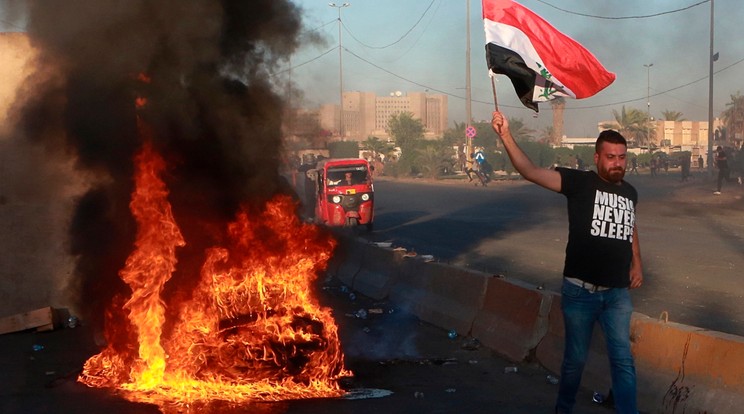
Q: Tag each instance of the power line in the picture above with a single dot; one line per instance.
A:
(414, 82)
(623, 17)
(319, 27)
(662, 92)
(395, 42)
(506, 106)
(304, 63)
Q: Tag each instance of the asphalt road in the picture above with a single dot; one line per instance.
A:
(400, 365)
(692, 241)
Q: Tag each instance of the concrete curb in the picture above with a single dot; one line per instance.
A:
(680, 368)
(513, 318)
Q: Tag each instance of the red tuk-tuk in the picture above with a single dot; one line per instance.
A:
(345, 192)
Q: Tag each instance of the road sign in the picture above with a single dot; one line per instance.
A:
(470, 132)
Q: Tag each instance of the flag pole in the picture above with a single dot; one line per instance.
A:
(493, 88)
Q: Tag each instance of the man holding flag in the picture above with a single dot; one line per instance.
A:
(603, 256)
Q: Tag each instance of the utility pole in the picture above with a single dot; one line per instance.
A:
(468, 92)
(340, 72)
(648, 104)
(710, 96)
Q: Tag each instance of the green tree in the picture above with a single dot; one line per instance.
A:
(456, 135)
(673, 116)
(733, 116)
(634, 124)
(433, 158)
(376, 146)
(519, 130)
(545, 135)
(405, 130)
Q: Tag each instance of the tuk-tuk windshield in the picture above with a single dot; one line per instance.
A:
(347, 175)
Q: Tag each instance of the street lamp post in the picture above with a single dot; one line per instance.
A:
(468, 90)
(340, 72)
(711, 58)
(648, 102)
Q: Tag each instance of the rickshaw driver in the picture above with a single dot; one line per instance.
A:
(347, 180)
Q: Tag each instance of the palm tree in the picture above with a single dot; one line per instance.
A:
(675, 116)
(558, 104)
(634, 124)
(519, 130)
(733, 116)
(376, 146)
(433, 159)
(546, 135)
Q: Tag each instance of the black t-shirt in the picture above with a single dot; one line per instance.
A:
(601, 219)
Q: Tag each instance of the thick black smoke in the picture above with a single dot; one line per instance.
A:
(212, 110)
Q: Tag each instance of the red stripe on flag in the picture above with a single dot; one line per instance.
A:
(567, 60)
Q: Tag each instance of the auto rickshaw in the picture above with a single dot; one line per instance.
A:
(345, 192)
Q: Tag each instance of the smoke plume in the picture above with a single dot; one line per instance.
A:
(211, 110)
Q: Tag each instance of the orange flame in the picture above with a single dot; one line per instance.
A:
(250, 331)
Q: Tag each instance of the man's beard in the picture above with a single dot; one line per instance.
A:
(615, 175)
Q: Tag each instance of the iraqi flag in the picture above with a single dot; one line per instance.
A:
(541, 62)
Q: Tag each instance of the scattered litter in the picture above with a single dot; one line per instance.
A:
(450, 390)
(37, 347)
(361, 314)
(597, 397)
(552, 379)
(383, 244)
(473, 362)
(72, 322)
(366, 393)
(410, 254)
(427, 258)
(470, 344)
(399, 249)
(423, 361)
(418, 394)
(375, 310)
(50, 372)
(352, 296)
(508, 370)
(452, 334)
(500, 276)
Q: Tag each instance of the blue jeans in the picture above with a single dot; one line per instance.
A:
(581, 309)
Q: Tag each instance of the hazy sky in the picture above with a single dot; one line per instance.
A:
(414, 45)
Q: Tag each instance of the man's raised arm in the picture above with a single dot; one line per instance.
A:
(547, 178)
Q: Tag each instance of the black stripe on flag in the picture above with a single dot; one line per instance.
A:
(508, 62)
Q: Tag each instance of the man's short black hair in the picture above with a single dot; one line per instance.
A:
(611, 136)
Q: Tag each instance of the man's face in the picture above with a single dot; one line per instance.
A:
(610, 161)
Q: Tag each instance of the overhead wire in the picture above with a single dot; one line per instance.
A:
(516, 107)
(623, 17)
(395, 42)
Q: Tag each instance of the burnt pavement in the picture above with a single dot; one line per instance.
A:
(400, 365)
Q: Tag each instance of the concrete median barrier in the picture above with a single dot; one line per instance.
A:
(685, 369)
(680, 368)
(513, 318)
(365, 267)
(443, 295)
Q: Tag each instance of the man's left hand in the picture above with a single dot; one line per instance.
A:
(636, 278)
